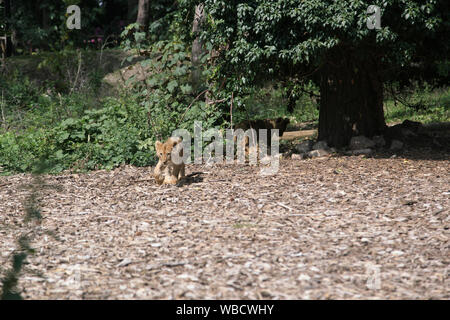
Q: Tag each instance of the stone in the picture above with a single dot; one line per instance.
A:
(317, 153)
(361, 142)
(379, 141)
(296, 156)
(396, 145)
(304, 277)
(304, 146)
(362, 151)
(413, 126)
(320, 145)
(269, 159)
(407, 133)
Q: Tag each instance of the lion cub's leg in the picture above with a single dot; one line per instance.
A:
(170, 179)
(168, 175)
(182, 173)
(176, 173)
(158, 173)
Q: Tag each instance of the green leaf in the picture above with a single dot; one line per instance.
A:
(172, 85)
(186, 89)
(59, 154)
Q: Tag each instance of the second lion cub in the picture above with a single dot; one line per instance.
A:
(166, 171)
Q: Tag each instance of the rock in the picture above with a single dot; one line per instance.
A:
(317, 153)
(406, 130)
(304, 277)
(304, 146)
(287, 154)
(320, 145)
(397, 253)
(407, 133)
(269, 159)
(379, 141)
(266, 160)
(361, 142)
(396, 145)
(362, 151)
(413, 126)
(296, 156)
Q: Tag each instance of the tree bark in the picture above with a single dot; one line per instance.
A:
(143, 14)
(8, 42)
(197, 46)
(351, 98)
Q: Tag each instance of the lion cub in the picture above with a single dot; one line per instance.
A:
(269, 124)
(166, 171)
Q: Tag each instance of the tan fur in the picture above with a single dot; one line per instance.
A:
(167, 172)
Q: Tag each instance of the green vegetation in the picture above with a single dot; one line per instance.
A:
(214, 61)
(330, 44)
(54, 104)
(417, 103)
(421, 104)
(79, 132)
(71, 133)
(76, 130)
(269, 103)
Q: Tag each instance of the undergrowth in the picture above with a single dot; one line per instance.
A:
(77, 131)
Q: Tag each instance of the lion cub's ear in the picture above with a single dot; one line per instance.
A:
(158, 145)
(174, 141)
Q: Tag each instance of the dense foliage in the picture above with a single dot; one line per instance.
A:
(260, 59)
(331, 44)
(261, 39)
(114, 134)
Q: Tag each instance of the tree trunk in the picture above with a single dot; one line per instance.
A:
(197, 47)
(143, 14)
(8, 42)
(351, 98)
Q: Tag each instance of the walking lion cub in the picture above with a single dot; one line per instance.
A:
(268, 124)
(166, 171)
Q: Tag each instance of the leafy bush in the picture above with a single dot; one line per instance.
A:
(167, 95)
(115, 134)
(271, 102)
(104, 138)
(68, 130)
(17, 91)
(19, 152)
(419, 103)
(24, 105)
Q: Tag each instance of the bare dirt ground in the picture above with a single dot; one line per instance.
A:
(326, 228)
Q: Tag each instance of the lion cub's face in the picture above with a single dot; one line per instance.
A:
(161, 152)
(164, 150)
(166, 171)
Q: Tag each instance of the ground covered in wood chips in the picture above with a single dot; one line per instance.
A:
(326, 228)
